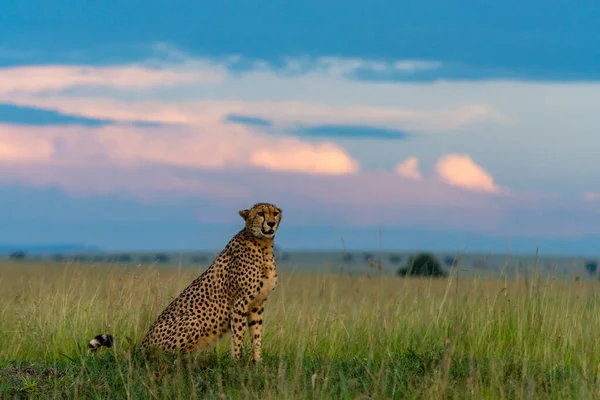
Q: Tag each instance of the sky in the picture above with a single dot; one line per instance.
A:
(415, 125)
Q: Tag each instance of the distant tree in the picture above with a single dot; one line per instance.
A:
(17, 255)
(146, 259)
(161, 258)
(348, 258)
(368, 257)
(124, 258)
(395, 259)
(422, 264)
(79, 258)
(98, 258)
(591, 267)
(58, 258)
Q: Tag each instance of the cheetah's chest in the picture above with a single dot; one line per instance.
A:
(269, 281)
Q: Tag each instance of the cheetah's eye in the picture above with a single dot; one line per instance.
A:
(261, 214)
(275, 214)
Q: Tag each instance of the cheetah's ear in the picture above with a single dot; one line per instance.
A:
(244, 214)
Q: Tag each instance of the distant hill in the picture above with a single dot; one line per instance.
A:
(48, 248)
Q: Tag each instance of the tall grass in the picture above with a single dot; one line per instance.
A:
(325, 336)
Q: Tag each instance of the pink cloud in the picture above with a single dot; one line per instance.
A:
(364, 198)
(209, 147)
(460, 170)
(226, 165)
(200, 156)
(409, 168)
(372, 198)
(283, 114)
(591, 196)
(26, 148)
(37, 79)
(41, 86)
(118, 159)
(308, 158)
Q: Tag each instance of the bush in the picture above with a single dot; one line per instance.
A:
(79, 258)
(161, 258)
(591, 267)
(17, 255)
(423, 264)
(124, 258)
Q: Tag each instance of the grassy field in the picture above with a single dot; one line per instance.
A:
(326, 337)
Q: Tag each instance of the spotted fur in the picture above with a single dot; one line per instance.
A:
(229, 295)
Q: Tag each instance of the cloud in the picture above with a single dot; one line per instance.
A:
(36, 79)
(224, 164)
(221, 162)
(349, 131)
(481, 37)
(214, 146)
(316, 159)
(369, 199)
(248, 120)
(302, 91)
(591, 196)
(12, 114)
(229, 166)
(345, 67)
(436, 72)
(460, 170)
(483, 119)
(25, 148)
(409, 168)
(229, 132)
(285, 115)
(322, 199)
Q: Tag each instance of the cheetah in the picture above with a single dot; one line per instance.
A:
(229, 294)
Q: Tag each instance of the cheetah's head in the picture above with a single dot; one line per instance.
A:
(262, 219)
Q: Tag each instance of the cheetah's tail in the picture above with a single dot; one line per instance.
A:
(101, 340)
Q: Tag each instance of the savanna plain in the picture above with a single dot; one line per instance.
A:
(326, 336)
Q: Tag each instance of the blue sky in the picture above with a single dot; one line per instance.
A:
(446, 125)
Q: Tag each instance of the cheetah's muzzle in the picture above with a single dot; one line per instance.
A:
(270, 232)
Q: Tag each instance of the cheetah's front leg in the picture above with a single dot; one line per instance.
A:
(238, 326)
(255, 323)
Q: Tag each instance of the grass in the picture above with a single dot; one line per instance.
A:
(326, 336)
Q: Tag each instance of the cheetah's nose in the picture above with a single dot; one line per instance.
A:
(271, 224)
